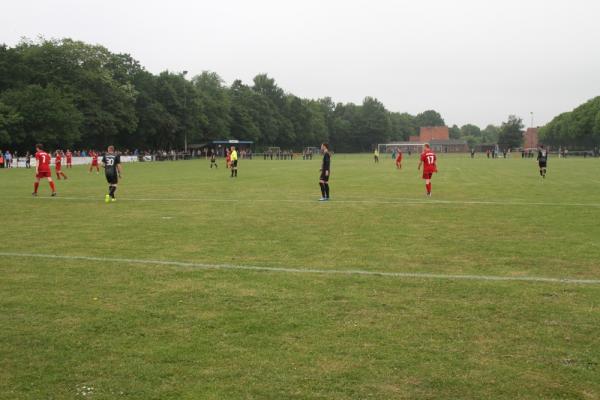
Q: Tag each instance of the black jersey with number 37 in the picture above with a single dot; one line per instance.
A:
(110, 161)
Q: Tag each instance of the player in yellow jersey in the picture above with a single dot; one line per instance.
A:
(234, 161)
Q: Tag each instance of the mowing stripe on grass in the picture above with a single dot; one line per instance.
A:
(342, 201)
(309, 270)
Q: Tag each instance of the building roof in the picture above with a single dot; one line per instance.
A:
(230, 141)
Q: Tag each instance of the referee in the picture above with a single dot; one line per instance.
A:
(234, 161)
(325, 173)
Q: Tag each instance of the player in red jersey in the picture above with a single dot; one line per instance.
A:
(58, 165)
(94, 162)
(399, 158)
(428, 159)
(69, 157)
(227, 159)
(42, 169)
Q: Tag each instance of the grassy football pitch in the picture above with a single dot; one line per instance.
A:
(380, 293)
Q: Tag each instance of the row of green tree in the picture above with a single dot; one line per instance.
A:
(67, 93)
(579, 128)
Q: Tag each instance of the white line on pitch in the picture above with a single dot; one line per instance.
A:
(349, 201)
(417, 275)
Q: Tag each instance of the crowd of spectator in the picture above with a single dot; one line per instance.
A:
(271, 154)
(307, 154)
(11, 160)
(243, 152)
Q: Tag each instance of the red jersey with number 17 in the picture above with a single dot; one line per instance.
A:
(43, 161)
(429, 158)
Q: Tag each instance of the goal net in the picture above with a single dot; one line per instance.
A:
(405, 147)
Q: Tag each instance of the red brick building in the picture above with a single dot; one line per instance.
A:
(439, 139)
(530, 138)
(429, 133)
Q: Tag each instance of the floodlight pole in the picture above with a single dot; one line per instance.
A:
(185, 111)
(531, 118)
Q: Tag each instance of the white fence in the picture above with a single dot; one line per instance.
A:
(76, 161)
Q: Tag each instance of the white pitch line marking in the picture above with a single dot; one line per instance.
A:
(349, 201)
(416, 275)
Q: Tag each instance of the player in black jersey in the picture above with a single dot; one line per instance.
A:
(213, 159)
(112, 169)
(325, 173)
(542, 159)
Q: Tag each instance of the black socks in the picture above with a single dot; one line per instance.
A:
(324, 190)
(111, 191)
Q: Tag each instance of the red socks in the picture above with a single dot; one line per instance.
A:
(428, 186)
(36, 185)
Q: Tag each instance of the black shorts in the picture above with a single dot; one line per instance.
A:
(112, 179)
(234, 163)
(324, 178)
(542, 164)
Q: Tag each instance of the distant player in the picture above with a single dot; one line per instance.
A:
(428, 159)
(213, 159)
(69, 157)
(542, 159)
(399, 159)
(376, 156)
(42, 169)
(227, 159)
(94, 162)
(325, 172)
(58, 165)
(233, 156)
(112, 170)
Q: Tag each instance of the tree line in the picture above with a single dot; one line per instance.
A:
(70, 94)
(579, 129)
(67, 93)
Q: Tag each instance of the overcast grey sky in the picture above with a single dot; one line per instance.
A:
(472, 60)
